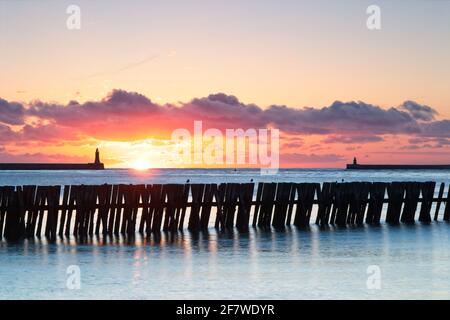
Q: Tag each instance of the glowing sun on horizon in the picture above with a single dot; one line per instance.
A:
(141, 165)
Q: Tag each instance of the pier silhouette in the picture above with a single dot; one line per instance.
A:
(96, 165)
(356, 166)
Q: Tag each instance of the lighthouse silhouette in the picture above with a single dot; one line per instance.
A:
(97, 164)
(97, 157)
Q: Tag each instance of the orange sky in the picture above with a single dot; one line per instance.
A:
(133, 131)
(140, 69)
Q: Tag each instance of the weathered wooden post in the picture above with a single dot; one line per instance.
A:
(360, 203)
(377, 192)
(396, 191)
(281, 205)
(292, 202)
(52, 194)
(258, 201)
(427, 189)
(325, 197)
(197, 198)
(11, 213)
(439, 201)
(182, 201)
(64, 209)
(220, 198)
(158, 197)
(342, 199)
(306, 193)
(245, 197)
(145, 196)
(411, 201)
(29, 194)
(114, 203)
(447, 207)
(230, 204)
(267, 202)
(105, 209)
(210, 190)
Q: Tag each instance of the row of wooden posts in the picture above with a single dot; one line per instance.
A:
(83, 210)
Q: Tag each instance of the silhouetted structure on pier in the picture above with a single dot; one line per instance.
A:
(96, 165)
(356, 166)
(97, 157)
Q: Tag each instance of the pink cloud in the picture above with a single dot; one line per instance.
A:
(129, 116)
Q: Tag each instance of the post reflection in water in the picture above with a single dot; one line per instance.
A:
(413, 259)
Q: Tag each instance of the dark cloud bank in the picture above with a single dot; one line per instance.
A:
(128, 113)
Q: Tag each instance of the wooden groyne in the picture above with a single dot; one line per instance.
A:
(86, 210)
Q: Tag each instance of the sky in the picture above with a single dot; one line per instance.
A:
(138, 70)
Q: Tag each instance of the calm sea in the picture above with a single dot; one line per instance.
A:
(362, 263)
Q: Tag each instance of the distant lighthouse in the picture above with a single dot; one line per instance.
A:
(97, 157)
(96, 165)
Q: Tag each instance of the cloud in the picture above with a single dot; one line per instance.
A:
(41, 157)
(311, 158)
(418, 111)
(436, 129)
(130, 116)
(121, 115)
(118, 104)
(293, 145)
(351, 139)
(11, 112)
(223, 111)
(340, 117)
(427, 142)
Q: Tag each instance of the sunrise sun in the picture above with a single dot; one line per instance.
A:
(141, 164)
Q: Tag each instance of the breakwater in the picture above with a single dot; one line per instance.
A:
(86, 210)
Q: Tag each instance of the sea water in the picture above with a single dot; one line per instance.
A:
(367, 262)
